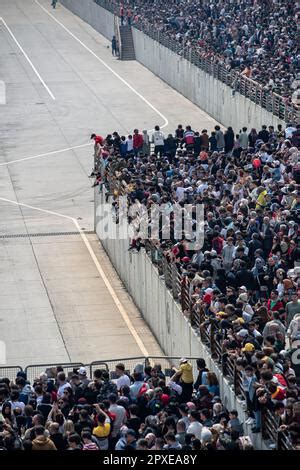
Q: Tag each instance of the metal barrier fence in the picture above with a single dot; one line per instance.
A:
(34, 371)
(166, 363)
(10, 372)
(254, 91)
(270, 422)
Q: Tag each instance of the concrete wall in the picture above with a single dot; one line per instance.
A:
(99, 18)
(211, 95)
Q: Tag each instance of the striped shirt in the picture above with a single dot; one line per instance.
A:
(90, 446)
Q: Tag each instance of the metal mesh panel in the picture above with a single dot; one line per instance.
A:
(167, 362)
(34, 371)
(10, 372)
(110, 365)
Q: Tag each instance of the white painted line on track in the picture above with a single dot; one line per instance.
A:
(26, 56)
(45, 154)
(110, 288)
(166, 122)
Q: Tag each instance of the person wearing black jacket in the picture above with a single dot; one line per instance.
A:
(264, 134)
(170, 147)
(229, 140)
(201, 366)
(244, 277)
(254, 244)
(197, 144)
(57, 437)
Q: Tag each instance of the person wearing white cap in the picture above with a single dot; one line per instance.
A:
(82, 374)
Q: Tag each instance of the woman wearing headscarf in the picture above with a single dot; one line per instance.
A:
(259, 272)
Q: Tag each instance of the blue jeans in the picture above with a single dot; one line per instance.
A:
(257, 416)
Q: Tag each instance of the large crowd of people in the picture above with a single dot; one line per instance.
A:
(244, 281)
(138, 411)
(257, 38)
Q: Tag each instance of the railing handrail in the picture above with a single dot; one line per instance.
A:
(287, 112)
(215, 346)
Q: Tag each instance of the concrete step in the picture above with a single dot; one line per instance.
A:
(127, 45)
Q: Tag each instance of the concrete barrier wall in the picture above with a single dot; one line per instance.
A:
(99, 18)
(211, 95)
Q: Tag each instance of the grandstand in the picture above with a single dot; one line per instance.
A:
(205, 338)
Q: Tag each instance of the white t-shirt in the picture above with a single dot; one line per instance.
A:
(17, 404)
(122, 381)
(129, 145)
(120, 418)
(61, 389)
(289, 132)
(195, 428)
(180, 193)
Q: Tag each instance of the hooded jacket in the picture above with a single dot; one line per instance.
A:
(43, 443)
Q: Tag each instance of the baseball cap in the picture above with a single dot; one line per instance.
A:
(249, 347)
(182, 360)
(243, 297)
(243, 333)
(130, 432)
(216, 399)
(82, 371)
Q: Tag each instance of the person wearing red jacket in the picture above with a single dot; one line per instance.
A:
(274, 304)
(138, 142)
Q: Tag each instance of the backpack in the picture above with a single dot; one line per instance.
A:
(142, 390)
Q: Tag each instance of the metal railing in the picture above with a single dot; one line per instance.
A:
(34, 371)
(278, 105)
(270, 422)
(211, 335)
(270, 425)
(10, 372)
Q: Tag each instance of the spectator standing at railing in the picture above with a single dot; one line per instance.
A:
(263, 134)
(138, 142)
(185, 376)
(129, 16)
(229, 140)
(146, 143)
(158, 139)
(244, 139)
(122, 14)
(220, 139)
